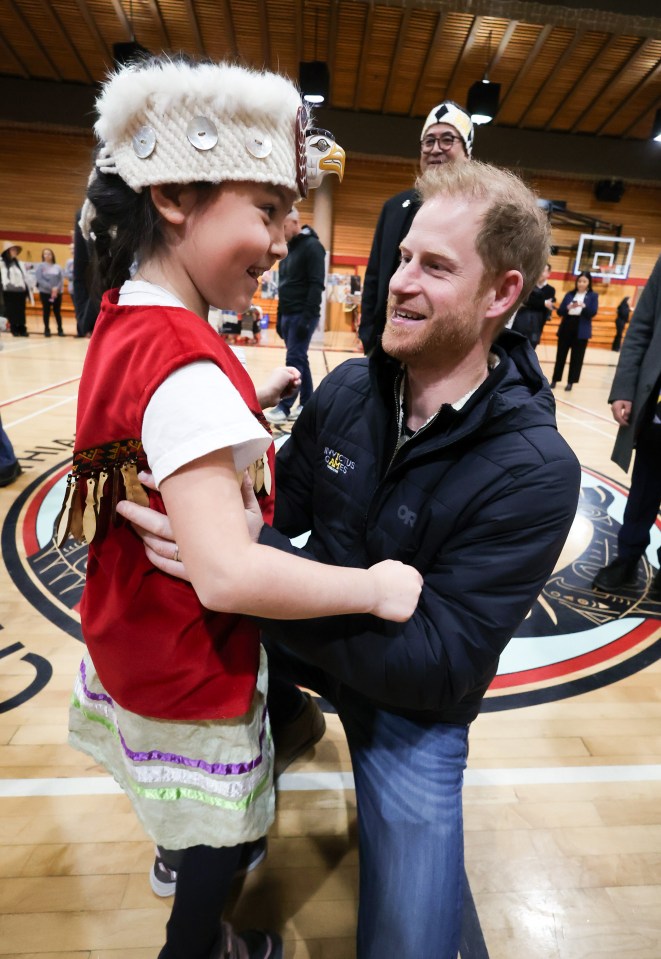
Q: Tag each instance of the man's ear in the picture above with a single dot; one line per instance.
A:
(173, 201)
(505, 291)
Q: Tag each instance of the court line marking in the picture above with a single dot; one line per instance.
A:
(44, 389)
(337, 781)
(44, 409)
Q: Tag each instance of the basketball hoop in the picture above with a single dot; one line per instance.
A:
(607, 275)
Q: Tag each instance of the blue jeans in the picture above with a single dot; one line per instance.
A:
(297, 355)
(7, 455)
(409, 776)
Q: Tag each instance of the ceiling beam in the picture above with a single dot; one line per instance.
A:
(397, 56)
(20, 16)
(565, 56)
(607, 45)
(157, 17)
(468, 44)
(8, 50)
(126, 24)
(51, 13)
(527, 64)
(195, 27)
(364, 58)
(649, 109)
(502, 46)
(643, 45)
(625, 102)
(94, 30)
(432, 49)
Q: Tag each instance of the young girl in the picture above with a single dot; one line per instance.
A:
(196, 172)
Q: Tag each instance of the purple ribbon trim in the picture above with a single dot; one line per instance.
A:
(217, 769)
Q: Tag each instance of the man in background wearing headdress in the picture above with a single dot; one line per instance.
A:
(447, 135)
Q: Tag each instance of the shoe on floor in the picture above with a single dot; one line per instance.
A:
(654, 592)
(554, 383)
(251, 944)
(568, 387)
(293, 739)
(621, 572)
(294, 413)
(163, 878)
(276, 416)
(8, 474)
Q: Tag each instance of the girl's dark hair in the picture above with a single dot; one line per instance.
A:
(126, 228)
(589, 279)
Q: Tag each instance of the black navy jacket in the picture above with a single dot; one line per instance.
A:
(480, 501)
(394, 223)
(302, 276)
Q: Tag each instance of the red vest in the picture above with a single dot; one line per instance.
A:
(157, 651)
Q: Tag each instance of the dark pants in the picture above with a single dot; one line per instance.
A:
(297, 356)
(46, 304)
(7, 455)
(644, 496)
(408, 776)
(577, 347)
(15, 310)
(204, 879)
(619, 330)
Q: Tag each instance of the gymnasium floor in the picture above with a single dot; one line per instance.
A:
(562, 797)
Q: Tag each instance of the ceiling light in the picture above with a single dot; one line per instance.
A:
(314, 80)
(482, 101)
(656, 129)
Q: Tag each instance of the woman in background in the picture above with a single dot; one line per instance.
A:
(577, 309)
(50, 283)
(15, 288)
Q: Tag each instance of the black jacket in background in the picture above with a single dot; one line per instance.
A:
(302, 276)
(480, 501)
(394, 223)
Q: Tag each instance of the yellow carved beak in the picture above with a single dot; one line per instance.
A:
(334, 162)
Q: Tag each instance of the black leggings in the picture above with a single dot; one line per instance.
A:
(46, 306)
(204, 879)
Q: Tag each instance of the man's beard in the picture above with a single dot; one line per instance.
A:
(446, 338)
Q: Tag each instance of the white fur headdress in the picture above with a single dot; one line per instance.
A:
(175, 122)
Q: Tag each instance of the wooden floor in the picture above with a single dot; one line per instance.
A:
(562, 801)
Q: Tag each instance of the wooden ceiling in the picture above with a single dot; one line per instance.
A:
(561, 68)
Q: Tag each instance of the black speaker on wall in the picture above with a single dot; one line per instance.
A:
(609, 191)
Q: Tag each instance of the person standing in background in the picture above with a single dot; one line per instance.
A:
(536, 310)
(86, 304)
(634, 399)
(15, 288)
(50, 284)
(447, 136)
(621, 320)
(302, 277)
(577, 309)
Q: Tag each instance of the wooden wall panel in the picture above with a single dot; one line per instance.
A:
(43, 176)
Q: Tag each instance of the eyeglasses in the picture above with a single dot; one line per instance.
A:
(446, 141)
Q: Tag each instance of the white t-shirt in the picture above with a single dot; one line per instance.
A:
(579, 299)
(196, 410)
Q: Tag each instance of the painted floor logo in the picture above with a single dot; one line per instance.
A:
(573, 640)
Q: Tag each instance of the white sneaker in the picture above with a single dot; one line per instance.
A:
(276, 416)
(295, 413)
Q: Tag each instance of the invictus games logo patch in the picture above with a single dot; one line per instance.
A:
(337, 462)
(573, 640)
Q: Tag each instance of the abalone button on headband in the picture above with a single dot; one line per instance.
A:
(144, 142)
(202, 133)
(258, 144)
